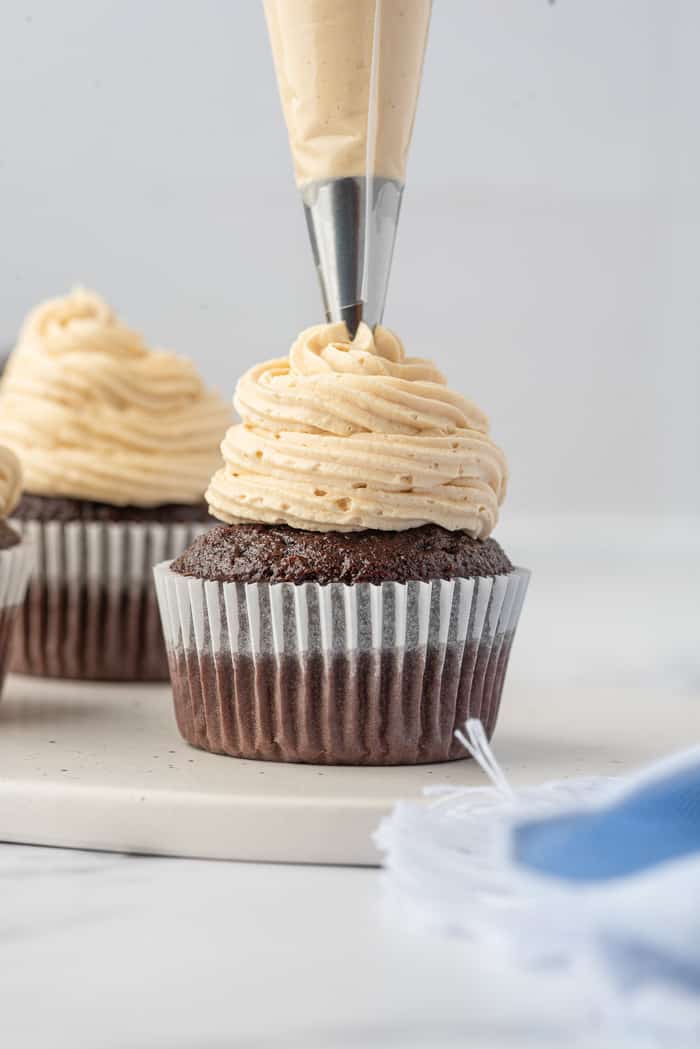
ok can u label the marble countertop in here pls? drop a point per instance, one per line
(101, 950)
(107, 951)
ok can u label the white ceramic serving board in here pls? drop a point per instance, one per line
(103, 767)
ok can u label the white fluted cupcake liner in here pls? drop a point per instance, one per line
(15, 568)
(337, 674)
(90, 610)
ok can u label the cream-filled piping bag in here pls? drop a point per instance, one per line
(349, 75)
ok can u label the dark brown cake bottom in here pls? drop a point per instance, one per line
(90, 610)
(90, 631)
(389, 707)
(8, 618)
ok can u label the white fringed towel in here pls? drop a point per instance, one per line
(601, 875)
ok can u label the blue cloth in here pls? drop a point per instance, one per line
(653, 822)
(596, 877)
(629, 867)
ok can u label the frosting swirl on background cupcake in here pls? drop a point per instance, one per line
(341, 436)
(93, 413)
(10, 481)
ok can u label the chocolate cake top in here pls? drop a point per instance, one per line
(48, 508)
(10, 492)
(8, 536)
(255, 553)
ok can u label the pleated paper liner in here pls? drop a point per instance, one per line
(337, 674)
(91, 611)
(15, 568)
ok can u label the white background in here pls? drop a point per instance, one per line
(548, 251)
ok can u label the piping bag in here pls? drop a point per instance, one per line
(349, 73)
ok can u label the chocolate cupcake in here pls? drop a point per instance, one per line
(116, 442)
(353, 609)
(15, 557)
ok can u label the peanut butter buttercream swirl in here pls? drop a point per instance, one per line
(93, 413)
(10, 481)
(345, 435)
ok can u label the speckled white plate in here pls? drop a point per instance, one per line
(103, 767)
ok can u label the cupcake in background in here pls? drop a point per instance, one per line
(15, 556)
(117, 442)
(353, 608)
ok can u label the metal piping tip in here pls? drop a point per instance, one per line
(352, 226)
